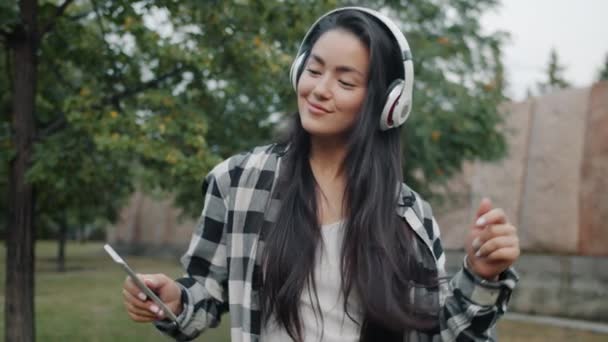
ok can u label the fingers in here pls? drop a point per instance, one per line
(484, 206)
(497, 243)
(130, 286)
(153, 281)
(494, 237)
(494, 216)
(492, 244)
(138, 306)
(492, 231)
(139, 311)
(166, 288)
(156, 282)
(502, 254)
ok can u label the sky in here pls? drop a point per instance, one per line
(577, 29)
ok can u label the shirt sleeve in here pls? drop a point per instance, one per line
(204, 293)
(471, 305)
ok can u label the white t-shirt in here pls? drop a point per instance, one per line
(337, 326)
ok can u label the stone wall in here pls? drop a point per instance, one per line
(556, 285)
(593, 218)
(552, 184)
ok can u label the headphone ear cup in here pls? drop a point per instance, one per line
(404, 107)
(388, 119)
(296, 69)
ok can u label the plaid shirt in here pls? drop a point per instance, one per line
(223, 261)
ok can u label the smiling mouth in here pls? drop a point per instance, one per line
(316, 109)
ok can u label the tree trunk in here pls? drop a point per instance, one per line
(63, 234)
(19, 305)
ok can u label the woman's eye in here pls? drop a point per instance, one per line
(347, 84)
(313, 72)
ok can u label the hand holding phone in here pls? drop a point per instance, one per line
(145, 289)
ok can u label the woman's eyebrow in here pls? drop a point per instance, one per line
(341, 68)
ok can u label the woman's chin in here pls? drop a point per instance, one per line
(322, 126)
(315, 127)
(326, 135)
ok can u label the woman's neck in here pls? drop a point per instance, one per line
(326, 162)
(327, 157)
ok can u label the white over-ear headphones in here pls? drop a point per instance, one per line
(399, 99)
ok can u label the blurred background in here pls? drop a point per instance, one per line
(114, 111)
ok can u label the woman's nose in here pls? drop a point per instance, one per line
(322, 88)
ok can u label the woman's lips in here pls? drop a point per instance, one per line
(316, 109)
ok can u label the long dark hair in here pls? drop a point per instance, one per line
(378, 264)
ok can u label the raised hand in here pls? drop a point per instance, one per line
(492, 244)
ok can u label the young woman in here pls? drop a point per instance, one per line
(317, 238)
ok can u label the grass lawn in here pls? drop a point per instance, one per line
(85, 303)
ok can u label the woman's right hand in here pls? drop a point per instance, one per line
(143, 309)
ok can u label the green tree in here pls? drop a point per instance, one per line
(79, 181)
(460, 81)
(603, 74)
(555, 78)
(104, 96)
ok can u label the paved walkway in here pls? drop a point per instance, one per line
(601, 328)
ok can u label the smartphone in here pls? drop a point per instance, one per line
(149, 293)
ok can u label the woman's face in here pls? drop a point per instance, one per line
(333, 85)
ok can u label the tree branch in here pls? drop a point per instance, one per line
(142, 86)
(79, 16)
(56, 69)
(102, 29)
(55, 126)
(99, 22)
(51, 24)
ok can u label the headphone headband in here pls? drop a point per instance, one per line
(399, 99)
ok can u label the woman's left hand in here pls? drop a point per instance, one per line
(492, 245)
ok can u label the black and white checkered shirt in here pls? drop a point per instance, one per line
(223, 260)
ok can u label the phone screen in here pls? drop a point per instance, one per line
(117, 259)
